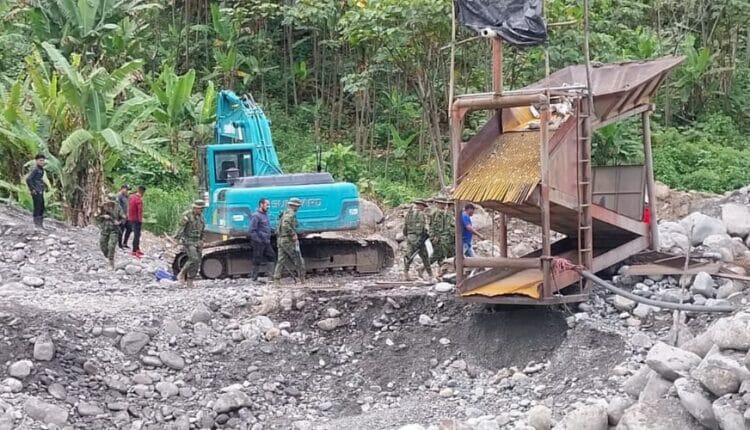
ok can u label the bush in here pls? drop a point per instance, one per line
(710, 156)
(162, 208)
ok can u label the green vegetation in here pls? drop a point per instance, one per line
(123, 91)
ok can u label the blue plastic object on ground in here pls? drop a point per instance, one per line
(164, 274)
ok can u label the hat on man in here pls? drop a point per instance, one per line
(199, 204)
(294, 201)
(126, 186)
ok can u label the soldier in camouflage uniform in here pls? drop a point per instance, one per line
(109, 218)
(415, 231)
(190, 236)
(287, 243)
(442, 233)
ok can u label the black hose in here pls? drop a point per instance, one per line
(657, 303)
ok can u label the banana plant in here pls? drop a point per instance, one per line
(172, 93)
(101, 128)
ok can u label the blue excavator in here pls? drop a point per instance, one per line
(240, 167)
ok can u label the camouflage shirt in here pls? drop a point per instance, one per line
(190, 229)
(287, 224)
(415, 223)
(114, 219)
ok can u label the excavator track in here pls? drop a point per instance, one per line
(232, 258)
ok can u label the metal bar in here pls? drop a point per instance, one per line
(500, 262)
(523, 300)
(503, 230)
(529, 91)
(497, 101)
(650, 184)
(544, 187)
(456, 127)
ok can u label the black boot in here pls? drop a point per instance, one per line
(39, 222)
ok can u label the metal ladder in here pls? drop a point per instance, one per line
(585, 192)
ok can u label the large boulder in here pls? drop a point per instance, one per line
(617, 407)
(670, 362)
(44, 412)
(699, 226)
(588, 417)
(663, 414)
(656, 388)
(721, 244)
(634, 385)
(720, 374)
(736, 219)
(370, 214)
(728, 414)
(696, 402)
(704, 285)
(732, 332)
(672, 235)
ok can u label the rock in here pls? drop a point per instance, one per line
(674, 295)
(44, 349)
(643, 311)
(720, 374)
(11, 384)
(736, 219)
(302, 425)
(45, 412)
(641, 341)
(57, 391)
(257, 328)
(329, 324)
(623, 304)
(200, 314)
(723, 245)
(133, 269)
(588, 417)
(700, 345)
(489, 424)
(167, 389)
(699, 226)
(370, 214)
(332, 313)
(670, 362)
(656, 388)
(664, 414)
(133, 342)
(151, 361)
(425, 320)
(231, 401)
(443, 287)
(696, 402)
(172, 360)
(634, 385)
(703, 284)
(540, 417)
(89, 409)
(616, 408)
(172, 328)
(521, 249)
(20, 369)
(728, 416)
(411, 427)
(33, 281)
(728, 288)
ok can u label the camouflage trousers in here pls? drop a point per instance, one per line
(108, 243)
(289, 257)
(414, 245)
(194, 254)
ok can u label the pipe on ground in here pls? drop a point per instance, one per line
(657, 303)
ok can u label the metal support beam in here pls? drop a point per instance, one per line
(492, 101)
(650, 183)
(544, 200)
(500, 262)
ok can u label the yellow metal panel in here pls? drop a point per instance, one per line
(525, 282)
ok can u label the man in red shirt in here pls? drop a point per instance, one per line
(135, 219)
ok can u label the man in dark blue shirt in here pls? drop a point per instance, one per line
(260, 237)
(468, 230)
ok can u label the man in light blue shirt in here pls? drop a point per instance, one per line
(468, 230)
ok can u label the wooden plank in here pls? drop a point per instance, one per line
(660, 269)
(522, 300)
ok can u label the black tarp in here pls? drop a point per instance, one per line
(519, 22)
